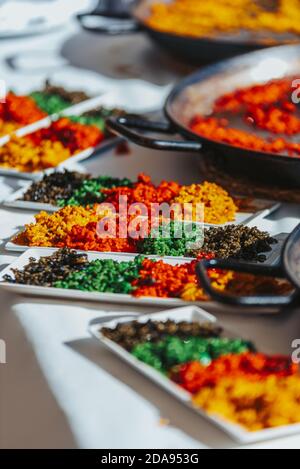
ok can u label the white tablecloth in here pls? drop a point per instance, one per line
(59, 388)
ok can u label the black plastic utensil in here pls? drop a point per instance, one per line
(288, 268)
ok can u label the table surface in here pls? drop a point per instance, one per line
(59, 388)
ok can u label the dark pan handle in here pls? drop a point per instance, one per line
(105, 24)
(242, 301)
(123, 126)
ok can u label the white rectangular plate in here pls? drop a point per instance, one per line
(71, 295)
(190, 313)
(74, 109)
(12, 201)
(264, 207)
(23, 260)
(77, 109)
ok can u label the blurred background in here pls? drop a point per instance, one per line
(22, 17)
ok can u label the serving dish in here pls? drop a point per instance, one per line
(197, 93)
(21, 91)
(287, 268)
(76, 110)
(80, 295)
(115, 20)
(77, 295)
(195, 314)
(250, 220)
(258, 208)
